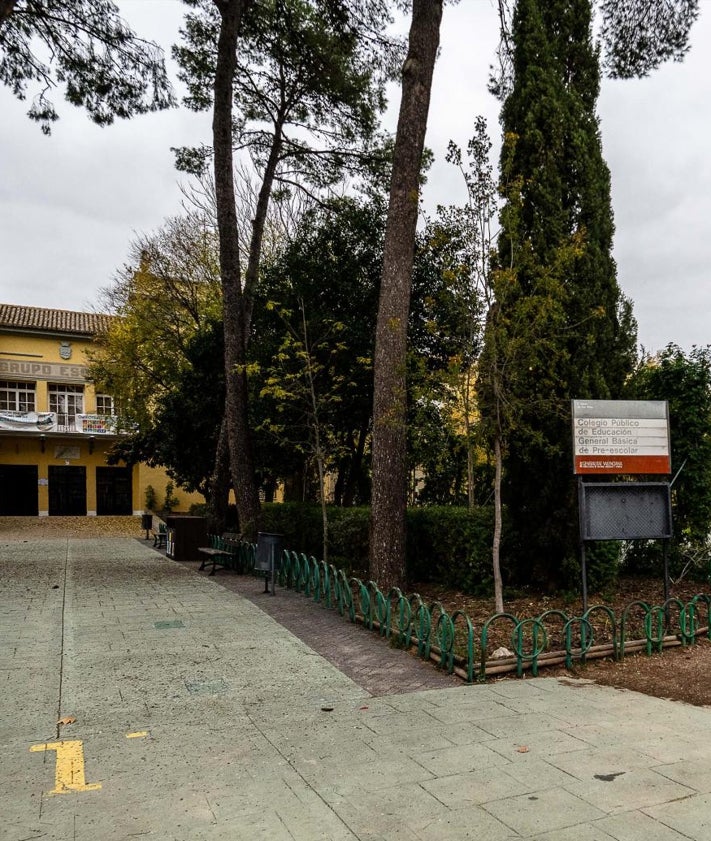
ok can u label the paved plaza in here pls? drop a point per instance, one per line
(196, 707)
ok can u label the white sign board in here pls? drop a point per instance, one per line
(621, 436)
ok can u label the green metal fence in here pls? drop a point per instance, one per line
(456, 646)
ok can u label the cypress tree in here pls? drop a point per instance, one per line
(555, 241)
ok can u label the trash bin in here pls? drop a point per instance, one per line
(147, 523)
(268, 559)
(185, 534)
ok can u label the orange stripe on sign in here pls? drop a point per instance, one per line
(622, 464)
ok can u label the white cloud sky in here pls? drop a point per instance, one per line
(71, 204)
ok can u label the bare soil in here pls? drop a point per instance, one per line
(680, 673)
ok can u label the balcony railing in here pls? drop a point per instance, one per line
(84, 424)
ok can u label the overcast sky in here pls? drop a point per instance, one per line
(70, 204)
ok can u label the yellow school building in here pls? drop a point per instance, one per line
(55, 428)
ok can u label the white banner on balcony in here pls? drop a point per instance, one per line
(28, 421)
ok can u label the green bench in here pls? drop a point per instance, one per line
(222, 551)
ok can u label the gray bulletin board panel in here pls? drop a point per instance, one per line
(625, 510)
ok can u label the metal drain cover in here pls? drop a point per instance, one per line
(216, 686)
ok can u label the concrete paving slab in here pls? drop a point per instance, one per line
(690, 817)
(582, 832)
(692, 773)
(201, 716)
(625, 791)
(636, 826)
(546, 810)
(477, 787)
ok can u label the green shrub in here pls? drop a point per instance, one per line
(151, 498)
(602, 561)
(448, 545)
(171, 500)
(451, 546)
(349, 542)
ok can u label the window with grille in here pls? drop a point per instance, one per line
(105, 404)
(68, 402)
(17, 397)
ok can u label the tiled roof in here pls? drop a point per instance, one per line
(53, 321)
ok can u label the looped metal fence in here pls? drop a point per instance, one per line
(452, 642)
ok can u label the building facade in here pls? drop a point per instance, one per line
(55, 428)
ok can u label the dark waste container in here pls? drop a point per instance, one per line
(185, 534)
(147, 523)
(268, 551)
(268, 559)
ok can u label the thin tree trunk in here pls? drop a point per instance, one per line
(387, 546)
(219, 488)
(317, 431)
(496, 544)
(355, 471)
(259, 222)
(467, 401)
(241, 461)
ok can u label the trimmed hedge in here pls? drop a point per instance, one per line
(449, 545)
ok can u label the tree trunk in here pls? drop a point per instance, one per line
(467, 402)
(219, 487)
(241, 461)
(387, 546)
(496, 544)
(355, 471)
(259, 222)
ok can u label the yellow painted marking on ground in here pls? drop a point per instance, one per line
(139, 734)
(69, 769)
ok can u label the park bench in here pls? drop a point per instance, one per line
(160, 536)
(222, 551)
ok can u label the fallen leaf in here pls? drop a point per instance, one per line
(68, 719)
(522, 749)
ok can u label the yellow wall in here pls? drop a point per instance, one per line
(156, 477)
(20, 353)
(36, 358)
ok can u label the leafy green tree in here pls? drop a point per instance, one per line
(443, 346)
(86, 47)
(305, 384)
(637, 36)
(556, 242)
(164, 296)
(279, 64)
(684, 379)
(332, 265)
(460, 244)
(183, 434)
(158, 357)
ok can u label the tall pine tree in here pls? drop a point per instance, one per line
(556, 241)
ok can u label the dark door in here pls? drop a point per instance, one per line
(67, 491)
(18, 490)
(114, 490)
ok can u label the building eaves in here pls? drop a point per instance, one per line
(62, 322)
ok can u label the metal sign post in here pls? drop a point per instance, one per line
(622, 437)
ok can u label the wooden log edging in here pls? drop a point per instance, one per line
(435, 635)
